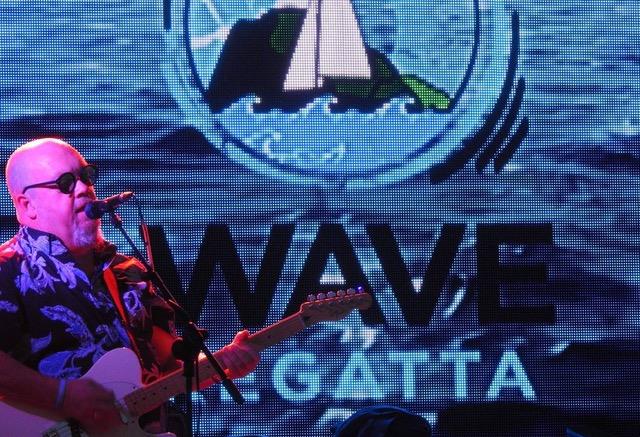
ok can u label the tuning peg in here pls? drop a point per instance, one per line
(351, 291)
(311, 298)
(341, 293)
(321, 296)
(331, 294)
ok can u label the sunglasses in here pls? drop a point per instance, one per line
(66, 182)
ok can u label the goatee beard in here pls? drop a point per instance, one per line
(87, 237)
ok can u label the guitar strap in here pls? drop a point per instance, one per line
(161, 413)
(112, 285)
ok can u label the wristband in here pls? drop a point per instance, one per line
(62, 387)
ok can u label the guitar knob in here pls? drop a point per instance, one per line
(351, 291)
(341, 293)
(359, 289)
(321, 296)
(331, 294)
(311, 298)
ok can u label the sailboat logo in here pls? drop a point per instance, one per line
(349, 92)
(337, 51)
(290, 56)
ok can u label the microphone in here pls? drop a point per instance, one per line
(96, 209)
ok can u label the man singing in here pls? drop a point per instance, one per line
(57, 314)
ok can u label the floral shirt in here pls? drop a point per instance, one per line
(58, 321)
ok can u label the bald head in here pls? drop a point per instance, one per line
(36, 161)
(44, 206)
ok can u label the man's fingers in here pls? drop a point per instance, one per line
(239, 357)
(93, 405)
(241, 336)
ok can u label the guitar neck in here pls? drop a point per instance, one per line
(277, 332)
(147, 398)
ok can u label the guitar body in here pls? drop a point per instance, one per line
(117, 370)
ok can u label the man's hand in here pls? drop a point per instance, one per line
(240, 357)
(92, 405)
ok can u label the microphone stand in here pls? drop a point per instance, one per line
(189, 346)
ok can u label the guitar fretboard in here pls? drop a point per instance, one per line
(145, 399)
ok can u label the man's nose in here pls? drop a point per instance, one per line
(83, 189)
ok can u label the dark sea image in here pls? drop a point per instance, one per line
(95, 73)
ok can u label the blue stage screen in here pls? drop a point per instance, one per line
(474, 165)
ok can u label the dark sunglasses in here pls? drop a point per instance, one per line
(66, 182)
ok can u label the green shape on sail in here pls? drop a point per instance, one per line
(284, 33)
(388, 89)
(353, 87)
(428, 96)
(381, 68)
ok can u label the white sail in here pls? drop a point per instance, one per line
(302, 69)
(342, 51)
(333, 49)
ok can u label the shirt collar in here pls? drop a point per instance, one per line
(50, 245)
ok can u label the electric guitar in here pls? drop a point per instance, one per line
(119, 370)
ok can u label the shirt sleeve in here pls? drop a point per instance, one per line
(11, 318)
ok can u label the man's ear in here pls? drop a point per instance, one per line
(26, 207)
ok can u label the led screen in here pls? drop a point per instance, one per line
(473, 165)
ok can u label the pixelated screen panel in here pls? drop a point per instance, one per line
(472, 165)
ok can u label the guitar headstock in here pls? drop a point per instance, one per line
(334, 305)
